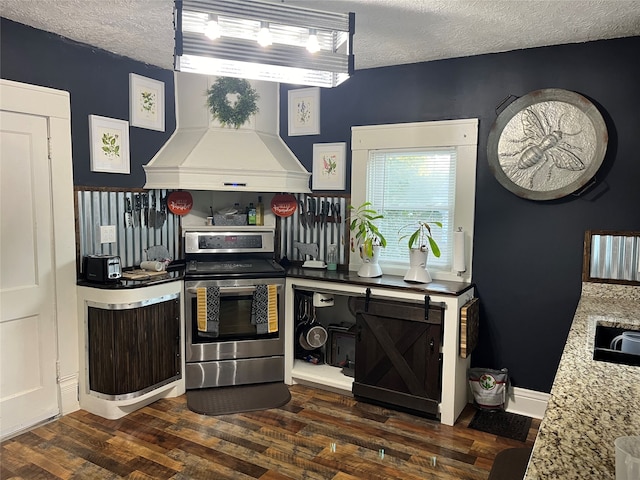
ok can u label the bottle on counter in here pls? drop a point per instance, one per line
(332, 257)
(260, 212)
(251, 214)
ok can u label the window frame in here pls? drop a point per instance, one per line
(460, 134)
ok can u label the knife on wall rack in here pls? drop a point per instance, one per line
(128, 221)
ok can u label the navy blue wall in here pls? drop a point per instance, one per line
(527, 255)
(98, 83)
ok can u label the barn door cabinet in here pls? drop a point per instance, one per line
(398, 359)
(402, 357)
(131, 347)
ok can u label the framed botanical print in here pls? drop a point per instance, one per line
(146, 102)
(304, 111)
(109, 145)
(329, 166)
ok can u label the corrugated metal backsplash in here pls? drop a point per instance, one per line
(140, 217)
(615, 256)
(319, 220)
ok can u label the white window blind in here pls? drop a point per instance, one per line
(408, 186)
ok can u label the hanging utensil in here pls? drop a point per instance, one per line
(128, 221)
(163, 210)
(302, 214)
(152, 210)
(312, 334)
(136, 210)
(157, 221)
(323, 214)
(145, 210)
(311, 212)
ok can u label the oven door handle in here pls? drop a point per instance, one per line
(226, 290)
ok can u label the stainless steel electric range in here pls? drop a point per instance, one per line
(226, 276)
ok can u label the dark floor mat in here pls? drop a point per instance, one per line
(501, 423)
(510, 463)
(240, 398)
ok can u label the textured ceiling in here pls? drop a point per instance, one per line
(388, 32)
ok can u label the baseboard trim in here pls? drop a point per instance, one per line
(527, 402)
(68, 394)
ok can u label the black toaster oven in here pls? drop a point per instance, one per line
(102, 268)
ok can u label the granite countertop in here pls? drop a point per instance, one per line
(592, 402)
(436, 287)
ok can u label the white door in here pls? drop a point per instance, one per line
(28, 390)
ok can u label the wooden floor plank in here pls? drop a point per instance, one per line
(318, 435)
(143, 451)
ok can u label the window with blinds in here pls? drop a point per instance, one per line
(408, 186)
(418, 171)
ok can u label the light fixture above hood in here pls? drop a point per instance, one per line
(203, 155)
(270, 41)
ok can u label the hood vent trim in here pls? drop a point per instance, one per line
(202, 155)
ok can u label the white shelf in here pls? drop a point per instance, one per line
(321, 376)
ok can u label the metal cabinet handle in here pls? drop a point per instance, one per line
(247, 289)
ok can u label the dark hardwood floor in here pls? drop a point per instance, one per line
(317, 435)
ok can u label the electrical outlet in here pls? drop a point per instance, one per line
(107, 234)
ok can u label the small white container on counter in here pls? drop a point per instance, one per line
(627, 458)
(152, 266)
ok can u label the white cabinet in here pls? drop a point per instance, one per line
(454, 394)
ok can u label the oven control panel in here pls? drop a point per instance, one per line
(229, 242)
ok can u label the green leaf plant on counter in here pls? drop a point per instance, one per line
(418, 238)
(367, 233)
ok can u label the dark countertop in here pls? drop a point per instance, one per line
(436, 287)
(124, 284)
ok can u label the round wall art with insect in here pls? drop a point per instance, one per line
(547, 144)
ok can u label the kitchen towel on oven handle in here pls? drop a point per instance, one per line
(208, 310)
(264, 309)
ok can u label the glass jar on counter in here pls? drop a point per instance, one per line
(332, 257)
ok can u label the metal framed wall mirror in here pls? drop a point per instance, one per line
(611, 256)
(547, 144)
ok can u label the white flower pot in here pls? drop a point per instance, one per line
(370, 267)
(417, 272)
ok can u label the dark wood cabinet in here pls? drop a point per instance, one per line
(398, 359)
(133, 350)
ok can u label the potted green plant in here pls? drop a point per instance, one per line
(420, 236)
(418, 250)
(369, 239)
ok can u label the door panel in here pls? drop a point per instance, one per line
(132, 350)
(398, 353)
(28, 390)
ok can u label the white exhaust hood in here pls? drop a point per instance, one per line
(203, 155)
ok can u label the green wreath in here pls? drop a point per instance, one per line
(220, 107)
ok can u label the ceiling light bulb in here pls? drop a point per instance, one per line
(264, 35)
(312, 42)
(212, 30)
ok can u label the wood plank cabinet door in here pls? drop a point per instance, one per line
(398, 358)
(135, 349)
